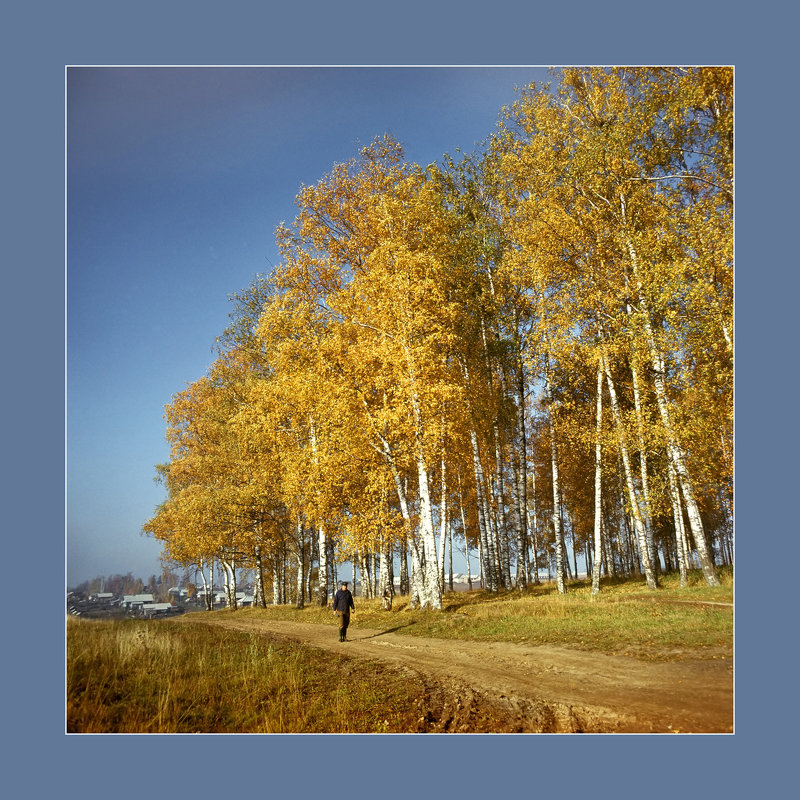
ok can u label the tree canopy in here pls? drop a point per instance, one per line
(510, 347)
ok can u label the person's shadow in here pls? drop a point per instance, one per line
(390, 630)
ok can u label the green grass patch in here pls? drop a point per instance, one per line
(626, 617)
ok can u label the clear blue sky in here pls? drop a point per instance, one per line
(176, 180)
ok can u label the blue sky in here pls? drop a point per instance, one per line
(176, 180)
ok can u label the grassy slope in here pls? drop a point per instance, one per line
(624, 618)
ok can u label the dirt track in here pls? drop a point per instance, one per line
(528, 688)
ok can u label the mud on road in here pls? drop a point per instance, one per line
(508, 687)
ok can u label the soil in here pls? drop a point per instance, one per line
(506, 687)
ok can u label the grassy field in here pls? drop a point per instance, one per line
(161, 676)
(137, 676)
(625, 618)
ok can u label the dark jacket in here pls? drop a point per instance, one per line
(343, 601)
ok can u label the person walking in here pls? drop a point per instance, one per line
(342, 603)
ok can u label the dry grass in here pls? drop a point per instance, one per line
(139, 676)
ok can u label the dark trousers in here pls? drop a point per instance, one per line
(344, 621)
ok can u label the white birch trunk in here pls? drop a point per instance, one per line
(520, 524)
(443, 520)
(386, 571)
(533, 527)
(488, 559)
(598, 487)
(608, 551)
(464, 527)
(634, 500)
(675, 450)
(533, 568)
(258, 595)
(230, 582)
(450, 556)
(404, 583)
(333, 569)
(411, 541)
(557, 530)
(432, 589)
(680, 531)
(208, 596)
(226, 584)
(521, 478)
(324, 589)
(417, 579)
(493, 552)
(301, 566)
(498, 487)
(277, 579)
(647, 510)
(313, 556)
(559, 534)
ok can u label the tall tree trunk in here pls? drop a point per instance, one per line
(333, 569)
(277, 579)
(675, 450)
(493, 521)
(533, 527)
(404, 583)
(575, 552)
(598, 486)
(230, 582)
(259, 598)
(359, 559)
(208, 596)
(313, 556)
(284, 571)
(638, 524)
(450, 556)
(557, 530)
(425, 588)
(481, 576)
(494, 545)
(443, 518)
(498, 487)
(521, 476)
(429, 583)
(300, 600)
(681, 544)
(466, 538)
(484, 524)
(608, 551)
(647, 509)
(417, 588)
(410, 542)
(387, 569)
(323, 578)
(323, 587)
(432, 589)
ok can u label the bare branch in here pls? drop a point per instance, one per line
(686, 177)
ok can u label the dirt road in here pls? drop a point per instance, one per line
(530, 688)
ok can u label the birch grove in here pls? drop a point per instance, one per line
(501, 355)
